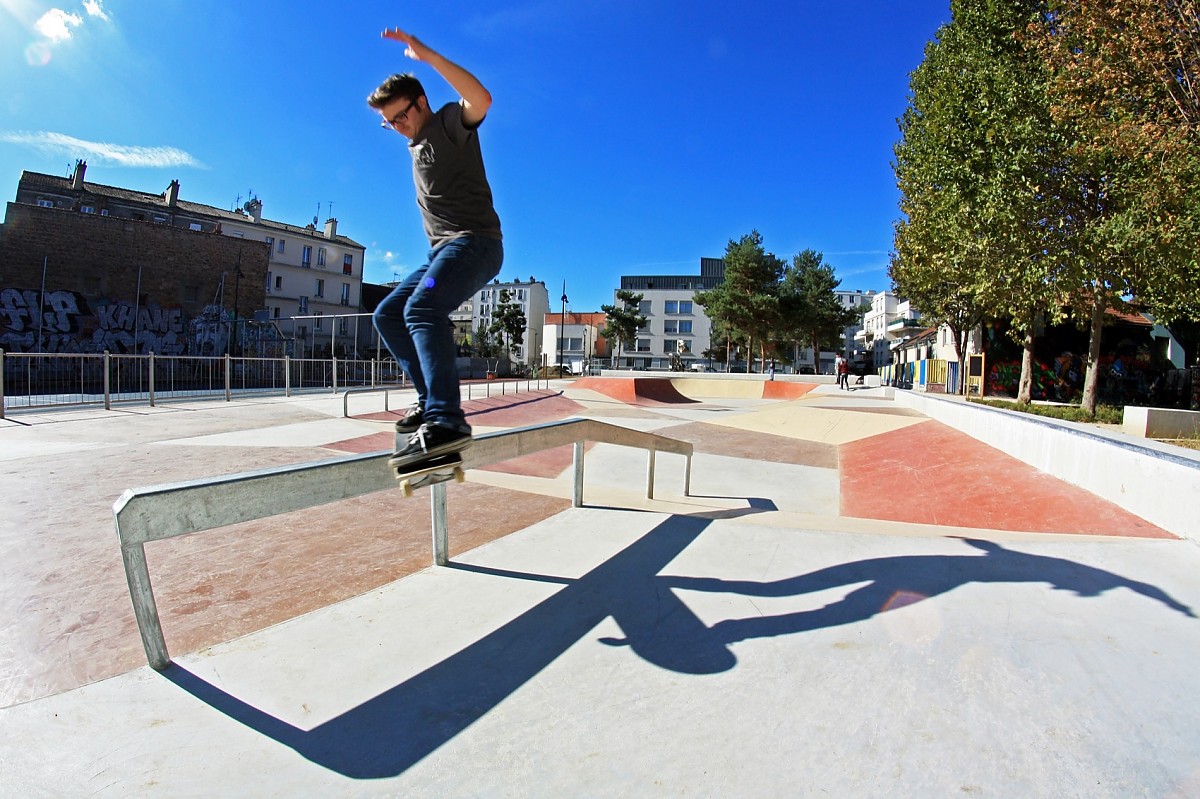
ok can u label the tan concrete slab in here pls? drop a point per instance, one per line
(797, 419)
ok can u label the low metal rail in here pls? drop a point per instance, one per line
(156, 513)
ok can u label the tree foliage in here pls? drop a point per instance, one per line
(810, 311)
(745, 306)
(623, 320)
(1124, 91)
(1050, 162)
(975, 164)
(509, 321)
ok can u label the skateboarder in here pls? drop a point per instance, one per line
(465, 246)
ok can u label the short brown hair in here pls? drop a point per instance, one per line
(406, 86)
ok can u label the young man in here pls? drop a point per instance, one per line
(465, 247)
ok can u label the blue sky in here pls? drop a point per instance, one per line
(626, 137)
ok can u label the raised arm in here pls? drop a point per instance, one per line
(476, 99)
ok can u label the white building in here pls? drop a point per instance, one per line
(675, 324)
(531, 296)
(313, 274)
(890, 321)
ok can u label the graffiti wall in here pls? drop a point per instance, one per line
(67, 322)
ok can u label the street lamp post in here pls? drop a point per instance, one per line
(562, 330)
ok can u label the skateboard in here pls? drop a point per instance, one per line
(439, 470)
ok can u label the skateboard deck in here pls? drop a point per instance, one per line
(438, 470)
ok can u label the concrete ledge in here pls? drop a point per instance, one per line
(1158, 485)
(1161, 423)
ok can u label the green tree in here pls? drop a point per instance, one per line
(746, 303)
(509, 322)
(623, 320)
(1125, 85)
(810, 310)
(977, 166)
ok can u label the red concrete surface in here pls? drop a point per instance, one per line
(636, 390)
(929, 473)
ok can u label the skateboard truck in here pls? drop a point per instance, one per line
(439, 470)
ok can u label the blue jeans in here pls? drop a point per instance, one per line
(414, 321)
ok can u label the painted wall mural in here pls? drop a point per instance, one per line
(69, 323)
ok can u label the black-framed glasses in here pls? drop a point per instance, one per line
(400, 118)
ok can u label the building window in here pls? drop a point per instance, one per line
(279, 247)
(268, 282)
(279, 282)
(320, 256)
(670, 345)
(685, 307)
(46, 203)
(320, 292)
(306, 257)
(317, 323)
(276, 312)
(270, 245)
(685, 325)
(159, 218)
(643, 345)
(91, 209)
(347, 264)
(345, 294)
(644, 307)
(302, 306)
(196, 226)
(341, 325)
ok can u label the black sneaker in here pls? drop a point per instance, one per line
(412, 419)
(428, 442)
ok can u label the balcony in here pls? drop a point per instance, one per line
(903, 328)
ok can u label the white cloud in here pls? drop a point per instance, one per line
(58, 144)
(56, 24)
(93, 8)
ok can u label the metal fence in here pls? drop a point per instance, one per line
(50, 380)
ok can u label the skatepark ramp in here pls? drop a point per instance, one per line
(156, 513)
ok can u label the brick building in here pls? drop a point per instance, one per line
(127, 271)
(121, 285)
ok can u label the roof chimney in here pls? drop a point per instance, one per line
(77, 178)
(254, 208)
(172, 193)
(330, 228)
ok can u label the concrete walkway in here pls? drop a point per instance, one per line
(783, 630)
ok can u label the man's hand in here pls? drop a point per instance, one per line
(476, 100)
(416, 49)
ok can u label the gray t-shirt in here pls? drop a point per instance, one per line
(452, 187)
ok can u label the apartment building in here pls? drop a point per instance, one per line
(534, 301)
(675, 324)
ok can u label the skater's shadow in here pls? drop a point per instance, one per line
(389, 733)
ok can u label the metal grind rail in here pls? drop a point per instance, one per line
(156, 513)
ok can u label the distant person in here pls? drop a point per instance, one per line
(465, 246)
(843, 372)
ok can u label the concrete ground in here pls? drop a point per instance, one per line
(854, 600)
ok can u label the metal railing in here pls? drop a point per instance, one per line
(30, 380)
(156, 513)
(468, 390)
